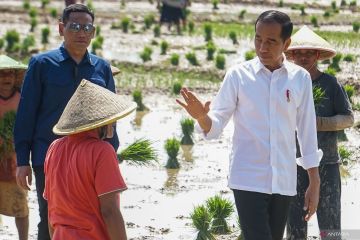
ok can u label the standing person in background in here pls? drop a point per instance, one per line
(333, 113)
(13, 198)
(172, 12)
(50, 81)
(83, 180)
(69, 2)
(268, 98)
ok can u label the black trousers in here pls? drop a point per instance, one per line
(43, 229)
(262, 216)
(329, 208)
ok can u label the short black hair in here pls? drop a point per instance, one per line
(76, 8)
(273, 16)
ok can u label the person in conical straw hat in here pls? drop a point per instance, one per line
(82, 176)
(13, 199)
(333, 113)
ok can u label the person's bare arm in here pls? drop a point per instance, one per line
(24, 177)
(196, 109)
(51, 230)
(112, 216)
(312, 193)
(334, 123)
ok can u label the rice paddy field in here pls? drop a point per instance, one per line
(159, 201)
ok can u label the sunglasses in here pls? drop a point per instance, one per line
(76, 27)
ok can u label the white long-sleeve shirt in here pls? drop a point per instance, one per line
(267, 108)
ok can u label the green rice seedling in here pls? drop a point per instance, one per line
(26, 4)
(176, 87)
(125, 23)
(201, 220)
(335, 62)
(211, 49)
(242, 14)
(33, 24)
(233, 37)
(2, 43)
(220, 209)
(156, 31)
(302, 10)
(333, 5)
(349, 57)
(208, 32)
(356, 26)
(318, 95)
(174, 59)
(314, 21)
(345, 154)
(164, 45)
(97, 30)
(33, 12)
(191, 57)
(326, 14)
(172, 146)
(220, 61)
(281, 3)
(331, 71)
(191, 27)
(250, 55)
(44, 3)
(350, 90)
(215, 4)
(95, 45)
(12, 38)
(137, 97)
(28, 41)
(149, 20)
(352, 3)
(45, 32)
(123, 4)
(139, 153)
(90, 5)
(343, 3)
(187, 127)
(7, 123)
(146, 54)
(54, 13)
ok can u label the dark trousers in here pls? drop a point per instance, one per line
(262, 216)
(329, 208)
(43, 229)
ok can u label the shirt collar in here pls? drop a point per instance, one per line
(64, 55)
(259, 66)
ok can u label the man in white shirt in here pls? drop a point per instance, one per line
(269, 98)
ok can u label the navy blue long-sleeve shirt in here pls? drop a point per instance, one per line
(50, 81)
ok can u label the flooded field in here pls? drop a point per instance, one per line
(158, 202)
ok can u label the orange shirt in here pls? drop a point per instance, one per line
(78, 169)
(8, 167)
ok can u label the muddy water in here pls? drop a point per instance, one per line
(158, 201)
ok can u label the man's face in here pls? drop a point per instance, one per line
(7, 79)
(269, 45)
(75, 35)
(305, 58)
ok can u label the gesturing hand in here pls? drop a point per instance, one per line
(192, 105)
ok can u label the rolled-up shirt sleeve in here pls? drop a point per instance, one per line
(222, 108)
(306, 129)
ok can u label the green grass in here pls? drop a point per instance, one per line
(140, 77)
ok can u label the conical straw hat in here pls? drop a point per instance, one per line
(305, 38)
(9, 63)
(114, 70)
(90, 107)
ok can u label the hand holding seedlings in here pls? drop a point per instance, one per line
(196, 108)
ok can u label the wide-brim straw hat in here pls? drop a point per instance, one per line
(90, 107)
(9, 63)
(114, 70)
(305, 38)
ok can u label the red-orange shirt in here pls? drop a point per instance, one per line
(78, 169)
(8, 166)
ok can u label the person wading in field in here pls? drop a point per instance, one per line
(268, 98)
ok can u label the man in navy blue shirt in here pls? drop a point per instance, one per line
(50, 81)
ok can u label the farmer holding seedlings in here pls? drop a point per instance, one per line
(268, 98)
(49, 83)
(83, 181)
(333, 113)
(13, 199)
